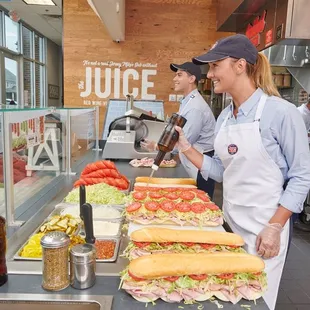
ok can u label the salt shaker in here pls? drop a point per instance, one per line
(83, 266)
(55, 246)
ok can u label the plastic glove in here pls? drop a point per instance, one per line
(149, 145)
(183, 145)
(268, 240)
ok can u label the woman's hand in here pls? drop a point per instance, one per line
(183, 145)
(268, 240)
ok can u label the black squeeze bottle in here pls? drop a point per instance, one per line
(168, 139)
(3, 269)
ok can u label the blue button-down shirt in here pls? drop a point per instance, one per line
(283, 135)
(200, 125)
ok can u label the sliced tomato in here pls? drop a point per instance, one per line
(139, 195)
(167, 206)
(189, 244)
(140, 188)
(171, 189)
(155, 195)
(233, 246)
(141, 245)
(171, 279)
(187, 195)
(257, 273)
(198, 277)
(166, 243)
(199, 191)
(153, 189)
(225, 276)
(152, 205)
(133, 207)
(172, 196)
(207, 246)
(203, 197)
(211, 206)
(183, 207)
(134, 277)
(198, 207)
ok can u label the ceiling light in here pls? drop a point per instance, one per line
(39, 2)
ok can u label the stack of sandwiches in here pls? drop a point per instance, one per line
(185, 264)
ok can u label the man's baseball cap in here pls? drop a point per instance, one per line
(236, 46)
(189, 67)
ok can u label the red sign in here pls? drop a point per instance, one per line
(269, 37)
(256, 28)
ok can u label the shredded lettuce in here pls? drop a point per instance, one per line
(186, 282)
(101, 193)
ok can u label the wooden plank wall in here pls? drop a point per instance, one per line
(157, 31)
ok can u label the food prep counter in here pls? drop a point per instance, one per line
(25, 276)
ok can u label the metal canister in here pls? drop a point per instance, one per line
(83, 266)
(55, 248)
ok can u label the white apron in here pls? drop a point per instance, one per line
(252, 187)
(190, 168)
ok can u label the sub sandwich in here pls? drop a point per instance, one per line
(195, 277)
(154, 240)
(165, 182)
(177, 207)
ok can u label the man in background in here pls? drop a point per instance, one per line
(200, 125)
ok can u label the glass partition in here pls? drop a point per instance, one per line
(82, 133)
(40, 147)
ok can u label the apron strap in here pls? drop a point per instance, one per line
(260, 108)
(226, 118)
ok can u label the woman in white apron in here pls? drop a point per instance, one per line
(260, 143)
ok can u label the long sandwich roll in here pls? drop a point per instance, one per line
(176, 206)
(171, 181)
(195, 277)
(153, 240)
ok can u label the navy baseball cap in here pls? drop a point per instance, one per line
(189, 67)
(236, 46)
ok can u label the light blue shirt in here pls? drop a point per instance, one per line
(200, 125)
(284, 136)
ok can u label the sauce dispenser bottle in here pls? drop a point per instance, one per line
(168, 139)
(3, 268)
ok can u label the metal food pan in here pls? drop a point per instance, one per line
(119, 208)
(16, 256)
(117, 235)
(117, 241)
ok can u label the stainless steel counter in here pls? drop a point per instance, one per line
(25, 278)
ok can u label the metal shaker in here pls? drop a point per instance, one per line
(83, 266)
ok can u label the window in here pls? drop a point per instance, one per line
(11, 85)
(30, 46)
(38, 47)
(28, 83)
(39, 85)
(27, 42)
(11, 34)
(1, 32)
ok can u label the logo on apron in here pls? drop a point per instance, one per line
(232, 149)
